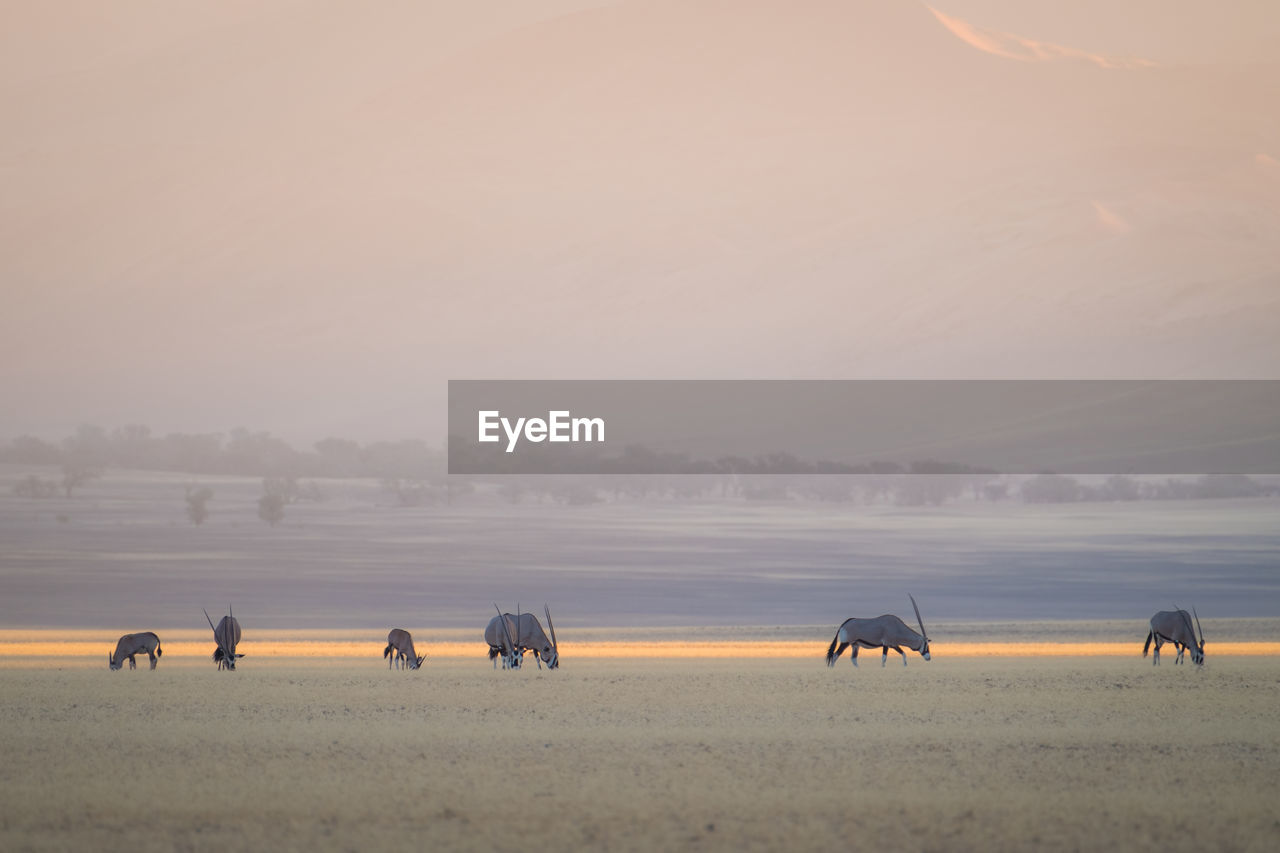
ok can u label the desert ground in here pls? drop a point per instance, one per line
(693, 709)
(643, 753)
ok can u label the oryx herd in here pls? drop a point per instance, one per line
(510, 636)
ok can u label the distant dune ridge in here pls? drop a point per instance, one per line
(298, 207)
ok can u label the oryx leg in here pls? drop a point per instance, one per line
(152, 655)
(133, 664)
(884, 655)
(1155, 656)
(899, 650)
(854, 654)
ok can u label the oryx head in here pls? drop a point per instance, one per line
(111, 662)
(924, 649)
(1197, 651)
(224, 659)
(550, 654)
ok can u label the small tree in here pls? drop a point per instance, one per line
(1120, 488)
(83, 457)
(197, 503)
(76, 473)
(286, 486)
(36, 487)
(1049, 488)
(271, 504)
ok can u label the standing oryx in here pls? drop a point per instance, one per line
(401, 642)
(227, 636)
(1174, 626)
(511, 636)
(883, 632)
(130, 645)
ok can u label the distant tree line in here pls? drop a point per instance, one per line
(241, 452)
(1056, 488)
(466, 455)
(414, 474)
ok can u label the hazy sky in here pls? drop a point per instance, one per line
(306, 217)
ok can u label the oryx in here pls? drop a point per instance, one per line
(500, 634)
(520, 633)
(227, 636)
(130, 645)
(883, 632)
(401, 642)
(1174, 626)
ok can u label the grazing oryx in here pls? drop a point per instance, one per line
(401, 642)
(499, 634)
(1174, 626)
(883, 632)
(130, 645)
(227, 636)
(522, 633)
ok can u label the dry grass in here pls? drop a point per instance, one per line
(643, 754)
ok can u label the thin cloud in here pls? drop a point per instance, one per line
(1022, 49)
(1110, 220)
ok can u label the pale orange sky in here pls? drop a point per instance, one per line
(305, 219)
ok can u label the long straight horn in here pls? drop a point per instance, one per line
(552, 626)
(511, 647)
(918, 619)
(1186, 620)
(216, 638)
(1197, 615)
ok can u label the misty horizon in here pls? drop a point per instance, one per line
(365, 203)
